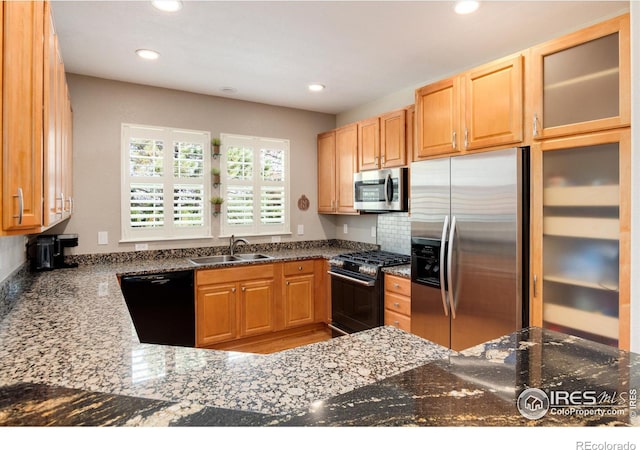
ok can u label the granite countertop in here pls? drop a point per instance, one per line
(69, 331)
(69, 355)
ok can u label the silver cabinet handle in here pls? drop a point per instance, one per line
(535, 124)
(299, 267)
(61, 196)
(70, 202)
(396, 304)
(244, 289)
(466, 138)
(452, 234)
(396, 285)
(535, 285)
(443, 257)
(20, 215)
(288, 283)
(453, 140)
(233, 289)
(396, 323)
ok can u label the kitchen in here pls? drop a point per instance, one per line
(101, 104)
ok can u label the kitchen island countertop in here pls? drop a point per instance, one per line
(69, 355)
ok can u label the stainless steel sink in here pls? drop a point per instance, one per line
(252, 256)
(228, 259)
(217, 259)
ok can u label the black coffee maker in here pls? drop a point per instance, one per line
(46, 251)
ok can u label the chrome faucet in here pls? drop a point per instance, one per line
(233, 242)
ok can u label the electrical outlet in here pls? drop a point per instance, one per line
(103, 238)
(300, 230)
(141, 247)
(275, 239)
(373, 232)
(345, 228)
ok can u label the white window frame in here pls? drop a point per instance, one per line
(168, 231)
(257, 228)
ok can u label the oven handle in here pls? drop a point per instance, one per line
(334, 328)
(355, 280)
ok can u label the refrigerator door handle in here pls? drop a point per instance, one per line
(443, 256)
(452, 233)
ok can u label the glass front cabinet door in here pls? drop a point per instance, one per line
(581, 82)
(581, 220)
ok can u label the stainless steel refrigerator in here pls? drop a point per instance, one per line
(469, 244)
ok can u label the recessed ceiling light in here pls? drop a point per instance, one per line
(316, 87)
(147, 54)
(167, 5)
(466, 6)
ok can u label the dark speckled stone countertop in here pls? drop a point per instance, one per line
(69, 355)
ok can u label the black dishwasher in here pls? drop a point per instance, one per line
(162, 307)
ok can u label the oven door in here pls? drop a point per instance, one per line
(356, 302)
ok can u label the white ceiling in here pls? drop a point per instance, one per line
(269, 51)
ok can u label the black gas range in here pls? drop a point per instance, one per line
(357, 289)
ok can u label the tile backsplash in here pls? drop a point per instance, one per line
(394, 232)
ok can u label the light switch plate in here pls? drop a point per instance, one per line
(141, 247)
(373, 231)
(345, 228)
(300, 230)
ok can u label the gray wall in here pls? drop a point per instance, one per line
(99, 108)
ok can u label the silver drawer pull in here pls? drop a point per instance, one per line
(396, 304)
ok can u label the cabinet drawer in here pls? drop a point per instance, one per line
(232, 274)
(397, 320)
(397, 285)
(298, 267)
(397, 303)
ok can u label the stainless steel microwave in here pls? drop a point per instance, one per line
(383, 190)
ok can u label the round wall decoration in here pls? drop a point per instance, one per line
(303, 203)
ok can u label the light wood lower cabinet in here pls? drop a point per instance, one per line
(299, 296)
(250, 302)
(397, 302)
(233, 303)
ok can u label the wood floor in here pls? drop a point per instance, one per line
(280, 343)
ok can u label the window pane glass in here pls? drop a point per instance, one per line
(188, 205)
(146, 203)
(239, 163)
(272, 205)
(145, 157)
(239, 205)
(188, 160)
(272, 164)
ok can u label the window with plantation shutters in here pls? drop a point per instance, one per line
(165, 184)
(255, 185)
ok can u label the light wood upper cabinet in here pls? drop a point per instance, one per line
(327, 172)
(478, 109)
(36, 122)
(581, 82)
(493, 99)
(393, 139)
(22, 118)
(437, 118)
(369, 143)
(346, 166)
(337, 162)
(57, 131)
